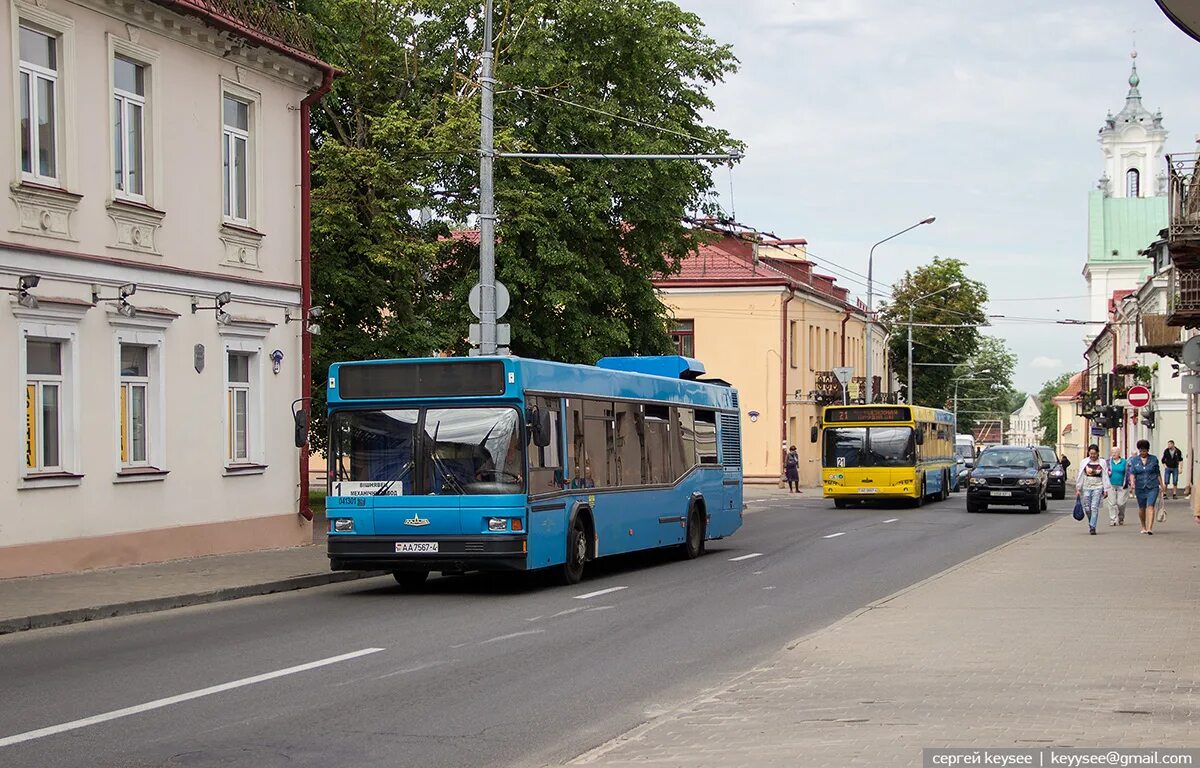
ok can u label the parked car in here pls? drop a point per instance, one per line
(1056, 476)
(962, 472)
(1007, 475)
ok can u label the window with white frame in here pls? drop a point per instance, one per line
(135, 387)
(241, 412)
(37, 86)
(236, 158)
(129, 127)
(44, 388)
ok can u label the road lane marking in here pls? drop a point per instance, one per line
(894, 519)
(750, 556)
(416, 668)
(179, 699)
(512, 636)
(599, 592)
(834, 535)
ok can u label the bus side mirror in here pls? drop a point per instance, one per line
(539, 425)
(301, 418)
(812, 435)
(920, 435)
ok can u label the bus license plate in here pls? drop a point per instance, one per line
(868, 490)
(430, 547)
(1002, 493)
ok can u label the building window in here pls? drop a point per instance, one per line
(235, 154)
(129, 127)
(240, 416)
(44, 383)
(135, 411)
(1132, 182)
(794, 344)
(38, 95)
(683, 336)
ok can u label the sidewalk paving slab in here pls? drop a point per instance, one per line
(1055, 639)
(46, 601)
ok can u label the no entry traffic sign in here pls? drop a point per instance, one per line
(1139, 396)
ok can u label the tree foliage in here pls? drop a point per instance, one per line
(578, 241)
(956, 312)
(985, 389)
(1049, 419)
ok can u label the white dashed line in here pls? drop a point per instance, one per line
(894, 519)
(180, 698)
(599, 592)
(834, 535)
(750, 556)
(512, 636)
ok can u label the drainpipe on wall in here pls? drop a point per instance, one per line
(1125, 416)
(845, 320)
(306, 269)
(783, 405)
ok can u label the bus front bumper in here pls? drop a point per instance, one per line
(899, 491)
(428, 553)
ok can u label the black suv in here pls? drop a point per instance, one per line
(1056, 476)
(1007, 475)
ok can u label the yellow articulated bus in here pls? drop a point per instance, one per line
(886, 452)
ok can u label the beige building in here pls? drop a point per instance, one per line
(155, 263)
(758, 315)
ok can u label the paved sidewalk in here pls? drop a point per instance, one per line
(47, 601)
(1056, 639)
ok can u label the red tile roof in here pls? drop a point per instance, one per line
(1072, 390)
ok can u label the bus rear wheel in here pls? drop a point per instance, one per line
(410, 580)
(693, 541)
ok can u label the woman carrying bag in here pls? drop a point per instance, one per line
(1147, 484)
(1091, 486)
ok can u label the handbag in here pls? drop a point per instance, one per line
(1078, 513)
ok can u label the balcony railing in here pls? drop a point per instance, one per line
(1183, 296)
(828, 390)
(1183, 198)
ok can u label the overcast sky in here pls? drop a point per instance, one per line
(864, 116)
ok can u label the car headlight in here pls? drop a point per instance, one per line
(343, 525)
(1056, 473)
(978, 481)
(1029, 481)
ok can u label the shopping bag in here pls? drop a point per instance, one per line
(1078, 513)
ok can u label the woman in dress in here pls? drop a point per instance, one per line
(792, 470)
(1147, 484)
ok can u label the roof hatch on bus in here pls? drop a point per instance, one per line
(670, 366)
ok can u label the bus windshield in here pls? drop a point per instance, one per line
(440, 451)
(868, 447)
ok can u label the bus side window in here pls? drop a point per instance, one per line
(706, 437)
(630, 448)
(545, 464)
(683, 441)
(599, 468)
(658, 455)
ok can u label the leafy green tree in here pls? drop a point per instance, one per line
(985, 388)
(1049, 419)
(945, 326)
(395, 165)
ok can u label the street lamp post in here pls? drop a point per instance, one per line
(911, 306)
(871, 297)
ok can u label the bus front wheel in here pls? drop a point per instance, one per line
(571, 572)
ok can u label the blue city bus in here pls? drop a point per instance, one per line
(511, 464)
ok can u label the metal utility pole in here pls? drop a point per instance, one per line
(487, 193)
(871, 299)
(911, 306)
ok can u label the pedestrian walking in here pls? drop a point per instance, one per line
(1171, 459)
(791, 470)
(1066, 463)
(1118, 491)
(1091, 486)
(1146, 477)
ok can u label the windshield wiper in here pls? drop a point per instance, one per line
(448, 479)
(383, 489)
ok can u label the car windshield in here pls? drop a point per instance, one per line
(460, 450)
(1047, 455)
(1006, 459)
(868, 447)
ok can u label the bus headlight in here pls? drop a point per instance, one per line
(343, 525)
(497, 524)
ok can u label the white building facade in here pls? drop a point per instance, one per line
(153, 255)
(1025, 423)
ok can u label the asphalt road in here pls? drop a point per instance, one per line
(474, 671)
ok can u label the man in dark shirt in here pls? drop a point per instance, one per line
(1171, 459)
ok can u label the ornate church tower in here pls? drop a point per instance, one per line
(1129, 205)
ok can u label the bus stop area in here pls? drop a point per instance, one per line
(1057, 639)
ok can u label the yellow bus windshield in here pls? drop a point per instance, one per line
(876, 446)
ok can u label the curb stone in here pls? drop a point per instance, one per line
(634, 734)
(155, 604)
